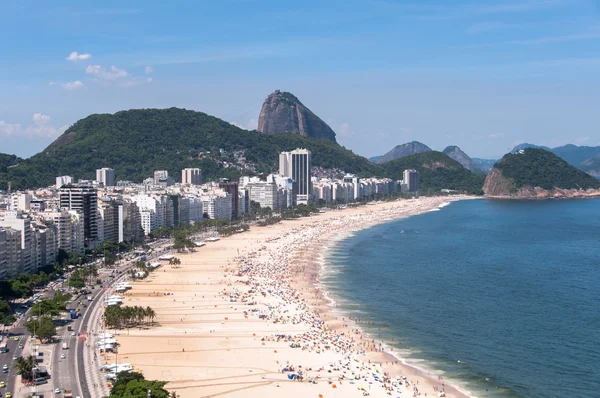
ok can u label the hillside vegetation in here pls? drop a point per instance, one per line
(137, 142)
(537, 167)
(7, 161)
(437, 171)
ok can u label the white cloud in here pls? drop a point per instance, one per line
(40, 118)
(345, 130)
(40, 127)
(101, 73)
(7, 129)
(115, 76)
(69, 85)
(148, 70)
(582, 140)
(251, 125)
(75, 56)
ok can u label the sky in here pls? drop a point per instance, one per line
(483, 75)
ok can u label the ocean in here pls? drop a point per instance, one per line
(502, 297)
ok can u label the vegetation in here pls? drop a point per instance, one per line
(7, 161)
(6, 318)
(51, 307)
(437, 171)
(537, 167)
(134, 385)
(80, 277)
(24, 367)
(116, 317)
(137, 142)
(43, 327)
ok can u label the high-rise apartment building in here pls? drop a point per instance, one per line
(411, 179)
(84, 199)
(14, 256)
(112, 220)
(106, 176)
(3, 255)
(191, 177)
(232, 189)
(15, 220)
(297, 166)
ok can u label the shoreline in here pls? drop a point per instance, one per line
(389, 351)
(257, 299)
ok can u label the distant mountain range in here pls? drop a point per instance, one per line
(585, 158)
(413, 147)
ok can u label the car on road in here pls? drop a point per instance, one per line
(5, 369)
(62, 356)
(16, 338)
(2, 384)
(73, 334)
(57, 390)
(15, 357)
(8, 394)
(21, 345)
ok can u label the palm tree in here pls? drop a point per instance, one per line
(24, 367)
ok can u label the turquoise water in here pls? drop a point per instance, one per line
(503, 296)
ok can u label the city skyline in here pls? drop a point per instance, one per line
(483, 77)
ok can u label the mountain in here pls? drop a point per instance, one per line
(400, 151)
(537, 173)
(457, 154)
(137, 142)
(282, 112)
(577, 155)
(374, 159)
(592, 166)
(436, 171)
(485, 164)
(526, 145)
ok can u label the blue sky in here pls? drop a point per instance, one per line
(483, 75)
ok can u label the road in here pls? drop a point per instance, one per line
(66, 373)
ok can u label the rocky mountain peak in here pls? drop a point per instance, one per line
(399, 151)
(457, 154)
(282, 112)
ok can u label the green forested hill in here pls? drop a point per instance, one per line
(136, 142)
(437, 171)
(540, 168)
(7, 161)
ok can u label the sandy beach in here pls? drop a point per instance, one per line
(245, 317)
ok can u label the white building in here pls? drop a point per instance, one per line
(15, 220)
(297, 165)
(216, 203)
(106, 176)
(63, 180)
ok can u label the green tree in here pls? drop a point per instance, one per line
(20, 289)
(134, 385)
(77, 280)
(42, 328)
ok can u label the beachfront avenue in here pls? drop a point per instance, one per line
(64, 358)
